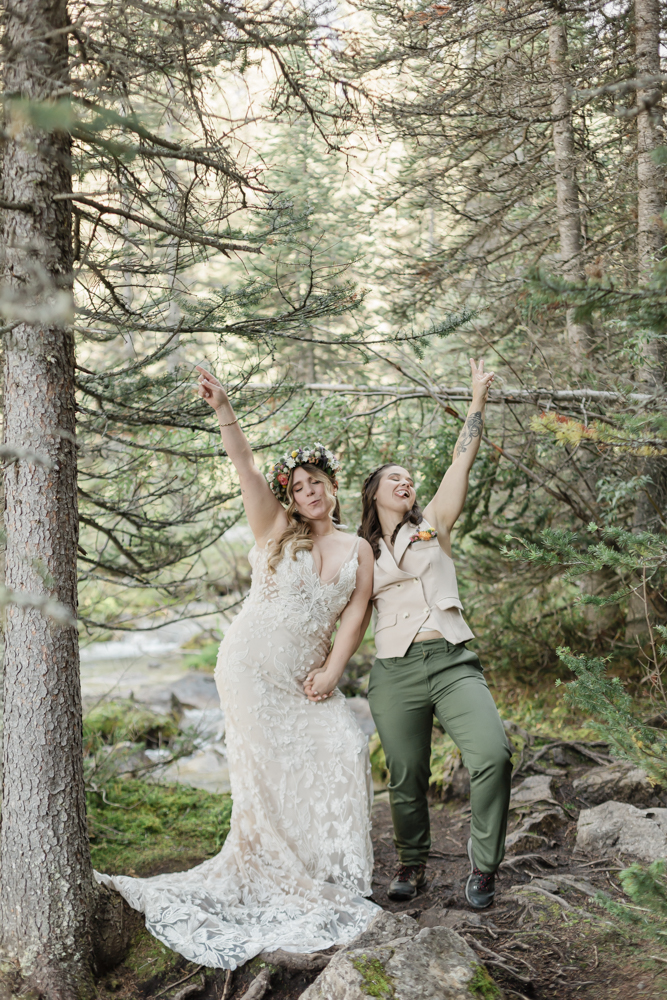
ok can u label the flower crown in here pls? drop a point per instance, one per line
(278, 475)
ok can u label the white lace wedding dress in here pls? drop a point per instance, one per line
(297, 862)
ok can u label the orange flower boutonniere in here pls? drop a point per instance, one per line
(424, 536)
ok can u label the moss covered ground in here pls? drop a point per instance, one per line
(139, 828)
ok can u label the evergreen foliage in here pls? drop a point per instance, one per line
(647, 888)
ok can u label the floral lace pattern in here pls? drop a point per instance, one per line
(297, 863)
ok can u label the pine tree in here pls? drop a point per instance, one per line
(120, 192)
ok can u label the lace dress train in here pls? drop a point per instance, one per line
(297, 862)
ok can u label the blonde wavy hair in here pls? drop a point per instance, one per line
(298, 528)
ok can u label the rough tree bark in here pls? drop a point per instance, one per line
(46, 886)
(567, 195)
(650, 135)
(651, 239)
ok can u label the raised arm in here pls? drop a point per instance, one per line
(445, 508)
(266, 515)
(320, 683)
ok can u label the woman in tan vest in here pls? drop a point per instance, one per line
(424, 668)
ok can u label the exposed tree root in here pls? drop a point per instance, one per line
(296, 963)
(258, 986)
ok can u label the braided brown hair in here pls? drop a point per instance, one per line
(370, 527)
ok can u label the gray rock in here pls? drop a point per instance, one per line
(523, 842)
(195, 690)
(125, 758)
(438, 916)
(545, 822)
(418, 963)
(620, 782)
(623, 829)
(206, 769)
(535, 831)
(361, 710)
(536, 788)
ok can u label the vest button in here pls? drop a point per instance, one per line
(398, 585)
(406, 614)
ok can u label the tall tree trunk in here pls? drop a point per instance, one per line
(567, 196)
(46, 887)
(650, 135)
(650, 242)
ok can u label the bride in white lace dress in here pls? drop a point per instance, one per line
(297, 863)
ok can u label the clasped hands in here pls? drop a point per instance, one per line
(320, 684)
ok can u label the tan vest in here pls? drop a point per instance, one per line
(414, 585)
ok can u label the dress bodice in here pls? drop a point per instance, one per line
(296, 595)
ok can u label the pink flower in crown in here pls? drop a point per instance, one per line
(279, 473)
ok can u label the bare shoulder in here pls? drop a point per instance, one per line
(364, 548)
(365, 553)
(274, 532)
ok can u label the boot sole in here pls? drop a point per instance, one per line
(401, 896)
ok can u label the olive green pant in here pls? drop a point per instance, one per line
(404, 692)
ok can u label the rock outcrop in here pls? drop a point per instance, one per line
(536, 788)
(621, 828)
(395, 957)
(618, 782)
(535, 831)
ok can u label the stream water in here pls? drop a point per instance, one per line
(150, 667)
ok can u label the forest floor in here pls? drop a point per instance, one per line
(535, 946)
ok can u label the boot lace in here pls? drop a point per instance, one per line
(406, 871)
(484, 879)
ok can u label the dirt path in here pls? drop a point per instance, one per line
(543, 939)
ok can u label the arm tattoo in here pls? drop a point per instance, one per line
(471, 429)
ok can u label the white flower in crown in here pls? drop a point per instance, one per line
(278, 474)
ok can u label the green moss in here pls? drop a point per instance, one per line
(136, 827)
(149, 958)
(124, 720)
(205, 659)
(482, 985)
(376, 981)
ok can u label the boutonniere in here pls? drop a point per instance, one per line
(424, 536)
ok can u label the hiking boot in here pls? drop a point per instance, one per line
(406, 881)
(481, 886)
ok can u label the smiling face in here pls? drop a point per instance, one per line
(395, 494)
(312, 493)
